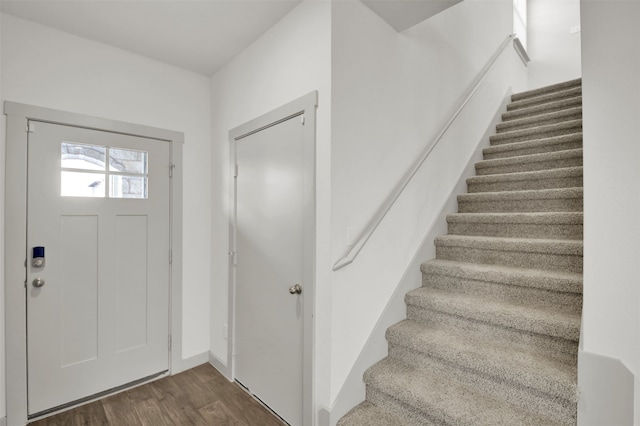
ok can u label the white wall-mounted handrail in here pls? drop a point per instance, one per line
(375, 221)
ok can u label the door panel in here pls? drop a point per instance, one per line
(269, 245)
(79, 289)
(101, 319)
(131, 279)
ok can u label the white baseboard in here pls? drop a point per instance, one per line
(194, 361)
(222, 367)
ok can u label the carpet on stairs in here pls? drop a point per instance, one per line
(491, 337)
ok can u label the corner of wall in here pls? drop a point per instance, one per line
(324, 417)
(222, 367)
(195, 360)
(606, 391)
(3, 408)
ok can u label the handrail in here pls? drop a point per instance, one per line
(375, 221)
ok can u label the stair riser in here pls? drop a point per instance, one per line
(407, 414)
(523, 185)
(518, 259)
(535, 148)
(530, 166)
(555, 408)
(531, 297)
(506, 138)
(520, 230)
(544, 99)
(554, 88)
(525, 206)
(561, 118)
(551, 347)
(543, 109)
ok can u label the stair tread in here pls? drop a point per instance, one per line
(568, 282)
(518, 224)
(552, 88)
(485, 356)
(533, 217)
(542, 117)
(530, 158)
(535, 194)
(533, 131)
(556, 173)
(553, 140)
(369, 414)
(537, 109)
(538, 320)
(530, 245)
(544, 98)
(443, 399)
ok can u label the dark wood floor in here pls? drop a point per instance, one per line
(200, 396)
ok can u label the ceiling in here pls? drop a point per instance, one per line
(197, 35)
(404, 14)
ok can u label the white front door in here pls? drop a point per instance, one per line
(98, 303)
(270, 197)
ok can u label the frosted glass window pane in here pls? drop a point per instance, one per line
(78, 184)
(126, 160)
(122, 186)
(80, 156)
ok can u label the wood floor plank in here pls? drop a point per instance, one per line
(200, 396)
(247, 408)
(217, 413)
(151, 413)
(178, 403)
(88, 414)
(120, 410)
(62, 419)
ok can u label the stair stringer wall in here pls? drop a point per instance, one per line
(376, 347)
(611, 101)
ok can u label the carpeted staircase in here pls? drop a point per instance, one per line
(491, 338)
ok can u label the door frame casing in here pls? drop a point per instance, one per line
(18, 118)
(303, 106)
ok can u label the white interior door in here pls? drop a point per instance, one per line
(97, 308)
(269, 245)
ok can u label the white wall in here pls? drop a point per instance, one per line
(554, 51)
(3, 409)
(391, 94)
(48, 68)
(611, 103)
(289, 61)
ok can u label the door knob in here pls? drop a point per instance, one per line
(295, 289)
(38, 282)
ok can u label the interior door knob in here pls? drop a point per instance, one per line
(295, 289)
(38, 282)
